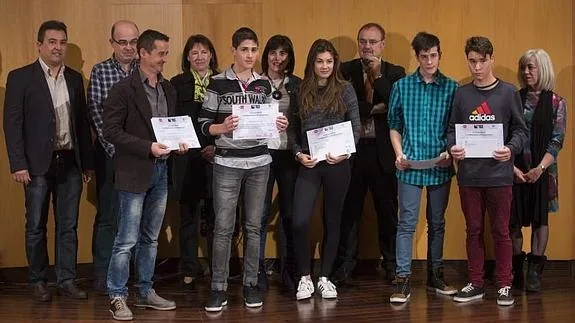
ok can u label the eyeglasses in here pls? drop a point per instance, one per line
(372, 42)
(124, 43)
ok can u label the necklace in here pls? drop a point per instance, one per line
(277, 94)
(244, 84)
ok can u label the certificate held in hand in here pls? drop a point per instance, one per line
(479, 140)
(256, 121)
(336, 140)
(173, 131)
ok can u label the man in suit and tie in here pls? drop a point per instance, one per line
(50, 151)
(373, 164)
(141, 172)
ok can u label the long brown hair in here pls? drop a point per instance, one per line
(330, 100)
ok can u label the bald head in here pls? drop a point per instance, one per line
(124, 37)
(123, 24)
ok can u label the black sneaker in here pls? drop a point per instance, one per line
(436, 282)
(469, 293)
(504, 297)
(217, 301)
(402, 291)
(252, 296)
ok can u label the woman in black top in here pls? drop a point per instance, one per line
(326, 99)
(191, 172)
(278, 61)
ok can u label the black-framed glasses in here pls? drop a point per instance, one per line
(124, 43)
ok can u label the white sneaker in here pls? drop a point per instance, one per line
(304, 288)
(326, 288)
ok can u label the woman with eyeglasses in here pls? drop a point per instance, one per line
(326, 99)
(191, 173)
(278, 61)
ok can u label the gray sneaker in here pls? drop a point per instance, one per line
(156, 302)
(120, 311)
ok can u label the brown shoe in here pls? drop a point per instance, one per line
(41, 292)
(69, 289)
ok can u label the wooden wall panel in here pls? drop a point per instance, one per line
(513, 26)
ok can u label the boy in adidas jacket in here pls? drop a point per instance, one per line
(486, 183)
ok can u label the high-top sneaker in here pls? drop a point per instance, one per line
(436, 282)
(402, 291)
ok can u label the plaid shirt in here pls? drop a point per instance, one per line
(419, 111)
(104, 75)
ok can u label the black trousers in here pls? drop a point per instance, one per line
(367, 173)
(335, 181)
(196, 186)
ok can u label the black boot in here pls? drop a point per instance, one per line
(534, 270)
(437, 283)
(518, 275)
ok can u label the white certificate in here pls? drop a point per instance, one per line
(173, 131)
(336, 139)
(256, 121)
(479, 140)
(425, 164)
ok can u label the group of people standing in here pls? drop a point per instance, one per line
(395, 119)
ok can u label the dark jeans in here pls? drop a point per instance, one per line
(283, 169)
(106, 215)
(64, 182)
(193, 190)
(497, 202)
(367, 173)
(140, 217)
(335, 181)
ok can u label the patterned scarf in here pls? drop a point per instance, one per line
(200, 85)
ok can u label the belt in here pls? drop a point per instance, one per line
(248, 152)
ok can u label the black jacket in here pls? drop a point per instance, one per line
(30, 121)
(353, 72)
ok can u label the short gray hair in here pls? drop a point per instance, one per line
(546, 79)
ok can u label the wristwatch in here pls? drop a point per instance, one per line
(542, 167)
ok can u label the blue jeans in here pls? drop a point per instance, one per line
(283, 169)
(140, 217)
(227, 184)
(64, 182)
(409, 202)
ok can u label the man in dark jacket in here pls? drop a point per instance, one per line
(373, 164)
(49, 147)
(141, 172)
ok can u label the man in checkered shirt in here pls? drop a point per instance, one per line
(418, 116)
(123, 38)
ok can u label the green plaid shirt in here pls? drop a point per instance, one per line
(419, 111)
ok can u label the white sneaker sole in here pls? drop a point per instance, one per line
(217, 308)
(303, 296)
(505, 303)
(399, 300)
(253, 305)
(328, 296)
(468, 299)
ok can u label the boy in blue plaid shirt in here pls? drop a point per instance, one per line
(419, 110)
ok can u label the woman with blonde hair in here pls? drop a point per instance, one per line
(536, 180)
